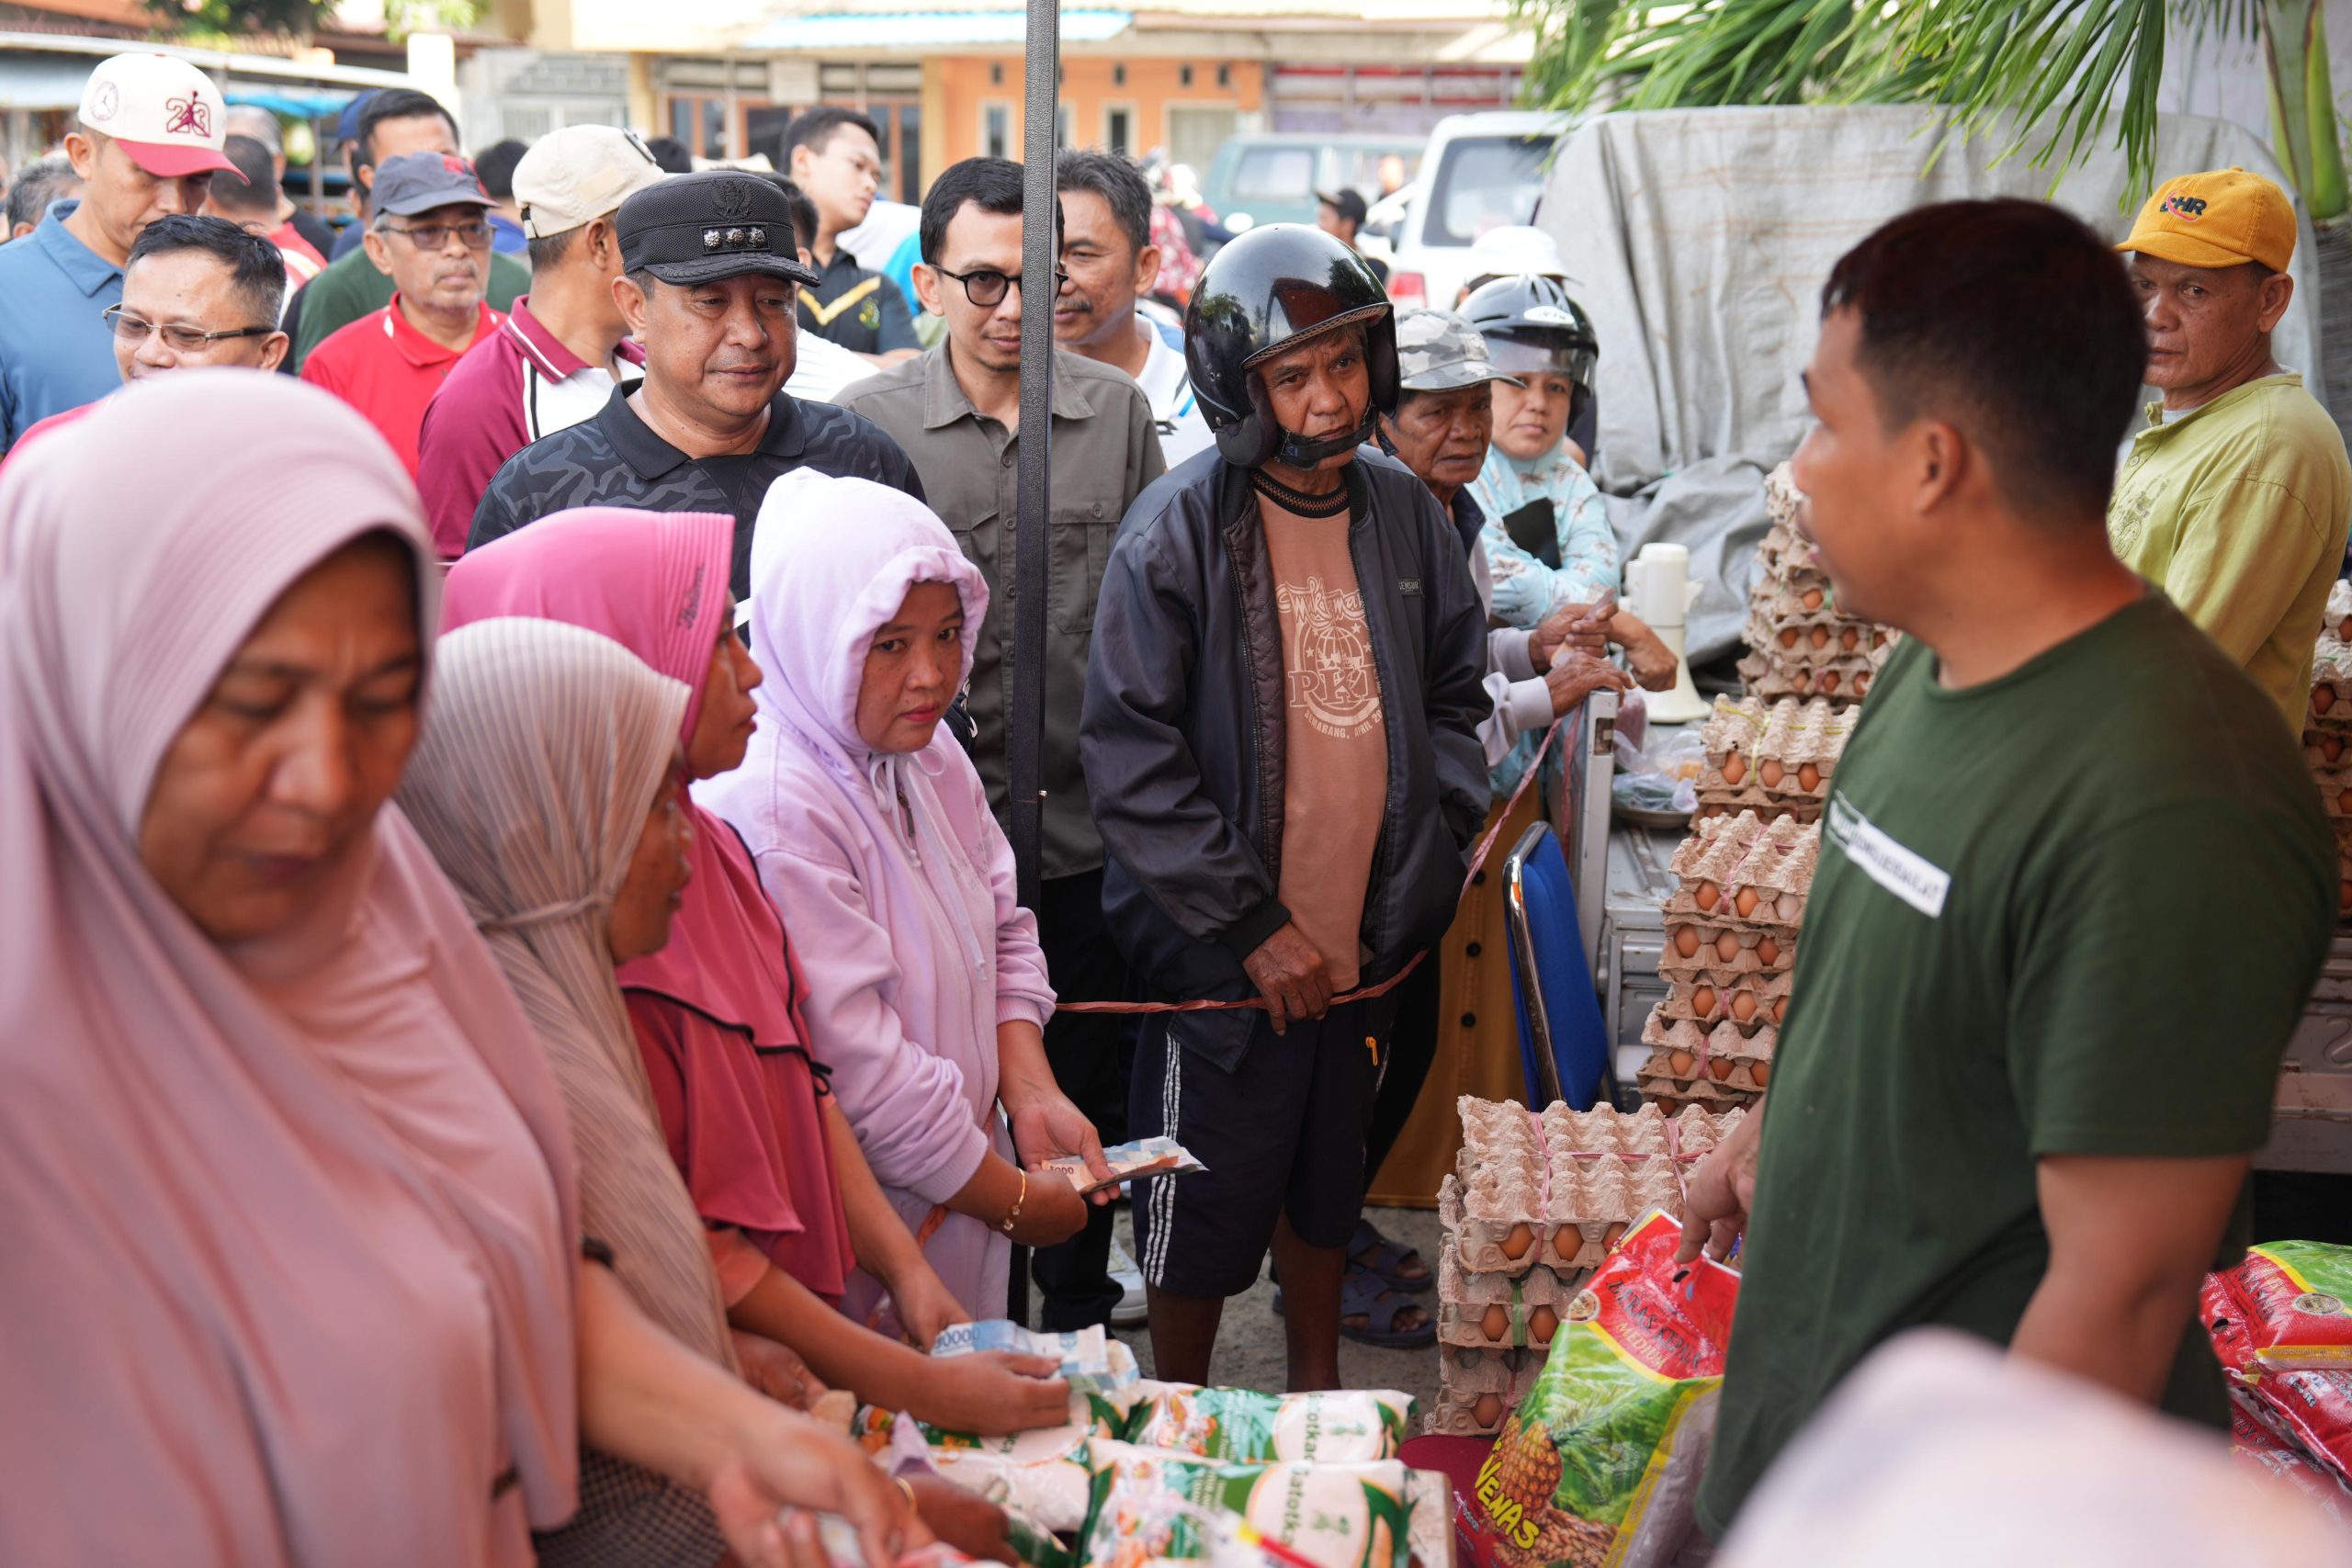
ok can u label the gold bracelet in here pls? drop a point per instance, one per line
(908, 1488)
(1014, 1217)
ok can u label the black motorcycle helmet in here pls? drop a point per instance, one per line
(1262, 292)
(1532, 327)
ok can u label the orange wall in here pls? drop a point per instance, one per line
(963, 88)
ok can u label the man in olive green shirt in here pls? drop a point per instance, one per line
(2073, 881)
(2235, 496)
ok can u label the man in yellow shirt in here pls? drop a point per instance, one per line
(2234, 498)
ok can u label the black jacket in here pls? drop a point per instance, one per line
(1182, 732)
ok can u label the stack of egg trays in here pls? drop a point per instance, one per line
(1800, 646)
(1773, 758)
(2328, 733)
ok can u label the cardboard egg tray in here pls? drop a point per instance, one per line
(1477, 1389)
(1499, 1312)
(2331, 705)
(1686, 1050)
(1726, 859)
(1842, 680)
(1695, 1094)
(1744, 1001)
(1720, 954)
(1558, 1202)
(1780, 628)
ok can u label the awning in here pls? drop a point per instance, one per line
(929, 30)
(293, 106)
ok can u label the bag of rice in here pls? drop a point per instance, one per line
(1149, 1506)
(1338, 1427)
(1598, 1462)
(1043, 1474)
(2291, 1296)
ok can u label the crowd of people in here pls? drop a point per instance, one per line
(517, 982)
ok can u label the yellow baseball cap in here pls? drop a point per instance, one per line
(2221, 218)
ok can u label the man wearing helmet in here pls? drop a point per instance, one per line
(1548, 537)
(1280, 738)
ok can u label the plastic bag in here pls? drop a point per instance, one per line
(1340, 1426)
(2292, 1297)
(1148, 1507)
(1598, 1462)
(1662, 776)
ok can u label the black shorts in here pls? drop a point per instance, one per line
(1283, 1135)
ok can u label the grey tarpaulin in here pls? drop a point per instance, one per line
(1698, 240)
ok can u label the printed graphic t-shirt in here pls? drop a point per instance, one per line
(1335, 774)
(2074, 910)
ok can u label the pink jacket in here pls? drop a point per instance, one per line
(913, 946)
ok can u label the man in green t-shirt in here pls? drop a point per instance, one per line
(2233, 497)
(2074, 888)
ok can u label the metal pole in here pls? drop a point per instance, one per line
(1025, 729)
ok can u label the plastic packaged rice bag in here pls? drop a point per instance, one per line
(1090, 1359)
(2292, 1297)
(1338, 1427)
(1598, 1462)
(1149, 1504)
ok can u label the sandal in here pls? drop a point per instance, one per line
(1362, 1296)
(1369, 1252)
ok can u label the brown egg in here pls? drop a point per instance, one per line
(1685, 940)
(2323, 698)
(1743, 1006)
(1567, 1241)
(1780, 1011)
(2343, 629)
(1788, 907)
(1850, 639)
(1665, 1107)
(1727, 947)
(1809, 776)
(1801, 681)
(1830, 679)
(1496, 1322)
(1608, 1237)
(1788, 636)
(1540, 1325)
(2331, 747)
(1735, 768)
(1679, 1063)
(1745, 902)
(1768, 772)
(2344, 804)
(1488, 1410)
(1703, 1001)
(1878, 640)
(1516, 1244)
(1861, 683)
(1768, 952)
(1818, 636)
(1761, 1072)
(1721, 1066)
(1813, 601)
(1705, 894)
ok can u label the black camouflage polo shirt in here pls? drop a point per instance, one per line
(615, 459)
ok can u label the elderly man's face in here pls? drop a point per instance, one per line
(1320, 388)
(717, 350)
(181, 293)
(1443, 437)
(2206, 326)
(438, 259)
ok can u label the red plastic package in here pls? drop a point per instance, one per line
(2291, 1296)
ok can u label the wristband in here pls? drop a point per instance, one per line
(1014, 1218)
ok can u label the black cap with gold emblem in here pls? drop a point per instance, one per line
(703, 227)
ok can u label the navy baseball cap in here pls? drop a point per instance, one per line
(1347, 201)
(703, 227)
(419, 182)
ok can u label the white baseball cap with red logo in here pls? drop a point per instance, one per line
(167, 114)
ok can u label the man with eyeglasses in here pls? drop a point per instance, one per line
(197, 293)
(711, 276)
(431, 237)
(957, 409)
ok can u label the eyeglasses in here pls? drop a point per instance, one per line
(183, 339)
(986, 286)
(433, 236)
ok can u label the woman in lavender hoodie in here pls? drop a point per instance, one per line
(873, 835)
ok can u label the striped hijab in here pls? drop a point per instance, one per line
(542, 754)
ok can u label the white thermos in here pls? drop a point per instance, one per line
(1659, 589)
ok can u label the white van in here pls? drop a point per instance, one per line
(1481, 172)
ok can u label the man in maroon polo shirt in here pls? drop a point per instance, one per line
(564, 346)
(429, 234)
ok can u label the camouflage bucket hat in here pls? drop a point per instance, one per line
(1438, 351)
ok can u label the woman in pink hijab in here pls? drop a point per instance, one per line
(873, 835)
(291, 1266)
(772, 1167)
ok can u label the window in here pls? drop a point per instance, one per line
(1484, 182)
(1273, 174)
(1225, 75)
(996, 74)
(1196, 132)
(1061, 125)
(1118, 75)
(996, 131)
(1183, 75)
(1118, 129)
(701, 123)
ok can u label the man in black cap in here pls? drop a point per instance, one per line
(711, 274)
(1341, 214)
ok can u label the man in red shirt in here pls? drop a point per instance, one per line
(251, 204)
(430, 235)
(564, 348)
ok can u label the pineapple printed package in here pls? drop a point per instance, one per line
(1597, 1467)
(1153, 1507)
